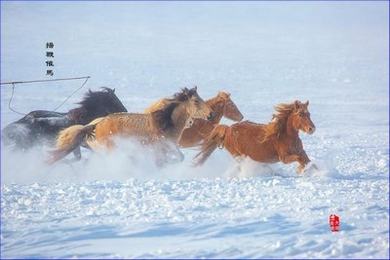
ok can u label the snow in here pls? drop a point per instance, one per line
(120, 205)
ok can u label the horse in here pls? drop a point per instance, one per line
(221, 104)
(41, 126)
(164, 124)
(267, 143)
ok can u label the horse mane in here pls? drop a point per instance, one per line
(96, 104)
(279, 120)
(162, 117)
(181, 96)
(184, 94)
(214, 101)
(90, 98)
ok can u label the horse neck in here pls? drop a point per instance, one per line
(217, 104)
(291, 131)
(77, 115)
(179, 122)
(99, 107)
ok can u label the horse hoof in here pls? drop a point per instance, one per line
(314, 166)
(310, 167)
(300, 170)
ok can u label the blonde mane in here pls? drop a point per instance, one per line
(181, 96)
(279, 119)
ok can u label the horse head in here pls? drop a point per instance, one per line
(300, 117)
(16, 135)
(192, 104)
(230, 110)
(99, 103)
(112, 100)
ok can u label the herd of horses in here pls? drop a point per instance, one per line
(168, 125)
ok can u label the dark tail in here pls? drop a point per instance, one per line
(214, 140)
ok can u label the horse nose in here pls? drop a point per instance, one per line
(311, 129)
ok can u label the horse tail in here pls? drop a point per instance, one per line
(214, 140)
(70, 139)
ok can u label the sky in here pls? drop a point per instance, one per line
(267, 49)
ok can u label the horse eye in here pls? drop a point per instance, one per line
(301, 114)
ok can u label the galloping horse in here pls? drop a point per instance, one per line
(277, 141)
(43, 126)
(156, 127)
(222, 105)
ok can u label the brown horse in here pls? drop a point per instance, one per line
(164, 124)
(277, 141)
(222, 105)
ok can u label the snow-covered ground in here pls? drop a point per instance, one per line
(333, 54)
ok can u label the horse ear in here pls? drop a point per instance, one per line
(113, 90)
(296, 104)
(223, 94)
(307, 103)
(192, 92)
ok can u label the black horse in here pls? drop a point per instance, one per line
(41, 126)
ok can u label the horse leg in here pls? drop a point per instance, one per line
(302, 160)
(307, 167)
(77, 157)
(235, 170)
(166, 153)
(160, 157)
(77, 154)
(178, 153)
(109, 144)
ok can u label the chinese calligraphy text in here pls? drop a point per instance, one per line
(49, 59)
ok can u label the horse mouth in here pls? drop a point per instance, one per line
(239, 118)
(310, 130)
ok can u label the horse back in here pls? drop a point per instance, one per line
(40, 114)
(245, 139)
(126, 125)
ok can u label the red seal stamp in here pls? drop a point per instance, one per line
(334, 223)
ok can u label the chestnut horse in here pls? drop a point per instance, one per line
(277, 141)
(159, 126)
(222, 105)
